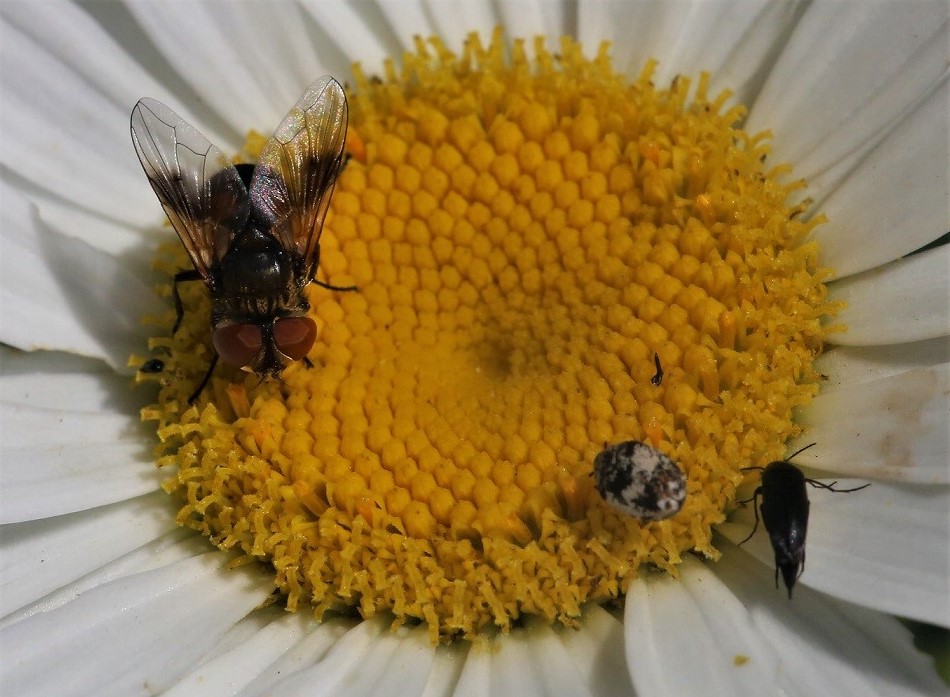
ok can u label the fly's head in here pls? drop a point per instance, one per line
(264, 347)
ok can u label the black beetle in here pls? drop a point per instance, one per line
(785, 514)
(152, 365)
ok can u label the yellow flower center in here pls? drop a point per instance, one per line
(525, 235)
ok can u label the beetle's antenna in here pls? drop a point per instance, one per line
(799, 451)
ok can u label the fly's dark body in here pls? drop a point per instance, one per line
(256, 280)
(784, 512)
(252, 232)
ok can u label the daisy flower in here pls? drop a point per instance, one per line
(534, 283)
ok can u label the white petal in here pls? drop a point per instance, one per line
(43, 555)
(864, 550)
(446, 669)
(541, 661)
(558, 670)
(892, 428)
(454, 20)
(735, 40)
(341, 665)
(897, 199)
(683, 636)
(886, 547)
(597, 649)
(135, 635)
(526, 19)
(71, 138)
(248, 61)
(233, 669)
(711, 32)
(750, 55)
(306, 653)
(48, 380)
(637, 29)
(367, 659)
(513, 672)
(114, 236)
(907, 300)
(475, 678)
(835, 90)
(176, 545)
(250, 626)
(66, 32)
(350, 28)
(849, 365)
(828, 646)
(408, 18)
(57, 462)
(57, 292)
(723, 629)
(398, 665)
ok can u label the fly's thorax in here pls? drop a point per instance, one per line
(256, 281)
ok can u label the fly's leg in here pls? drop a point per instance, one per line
(181, 277)
(194, 395)
(346, 289)
(184, 277)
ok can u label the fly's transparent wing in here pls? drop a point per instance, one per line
(294, 179)
(201, 191)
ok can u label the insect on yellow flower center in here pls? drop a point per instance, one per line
(526, 234)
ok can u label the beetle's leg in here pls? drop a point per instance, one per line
(748, 469)
(755, 509)
(831, 487)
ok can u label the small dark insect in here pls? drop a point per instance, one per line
(639, 480)
(785, 514)
(252, 233)
(658, 378)
(152, 365)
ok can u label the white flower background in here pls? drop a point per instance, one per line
(100, 593)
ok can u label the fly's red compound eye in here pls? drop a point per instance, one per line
(238, 344)
(294, 336)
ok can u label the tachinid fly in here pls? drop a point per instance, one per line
(253, 240)
(784, 509)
